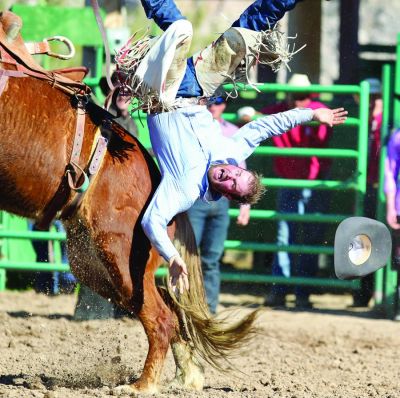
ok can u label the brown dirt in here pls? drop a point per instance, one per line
(320, 353)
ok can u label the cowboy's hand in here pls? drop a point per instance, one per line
(331, 117)
(178, 275)
(244, 215)
(391, 218)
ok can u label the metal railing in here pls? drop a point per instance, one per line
(386, 279)
(357, 184)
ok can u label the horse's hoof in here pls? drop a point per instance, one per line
(125, 390)
(194, 382)
(132, 390)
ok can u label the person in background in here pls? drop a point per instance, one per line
(210, 221)
(119, 106)
(392, 193)
(362, 296)
(301, 201)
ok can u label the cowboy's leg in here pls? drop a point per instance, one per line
(242, 42)
(264, 14)
(260, 15)
(163, 12)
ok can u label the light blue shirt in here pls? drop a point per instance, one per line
(186, 143)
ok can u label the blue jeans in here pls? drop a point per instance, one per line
(52, 282)
(210, 222)
(301, 201)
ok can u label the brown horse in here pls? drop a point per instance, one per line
(108, 250)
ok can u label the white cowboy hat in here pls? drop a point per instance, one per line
(248, 111)
(299, 80)
(362, 246)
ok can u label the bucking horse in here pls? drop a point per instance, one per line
(54, 162)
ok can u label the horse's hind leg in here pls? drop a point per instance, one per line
(189, 372)
(160, 325)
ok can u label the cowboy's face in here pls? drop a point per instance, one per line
(217, 110)
(230, 180)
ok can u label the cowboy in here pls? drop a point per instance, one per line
(194, 161)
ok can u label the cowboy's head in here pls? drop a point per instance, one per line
(235, 183)
(217, 107)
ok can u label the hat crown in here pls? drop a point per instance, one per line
(300, 80)
(246, 111)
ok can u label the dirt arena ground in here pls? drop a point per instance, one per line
(320, 353)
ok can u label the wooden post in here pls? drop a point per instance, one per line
(305, 22)
(348, 42)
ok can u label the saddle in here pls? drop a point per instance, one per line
(16, 61)
(13, 51)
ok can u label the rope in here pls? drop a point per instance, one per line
(96, 9)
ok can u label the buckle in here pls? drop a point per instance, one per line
(64, 40)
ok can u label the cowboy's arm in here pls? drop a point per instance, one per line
(252, 134)
(163, 12)
(165, 204)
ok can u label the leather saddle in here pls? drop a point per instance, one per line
(12, 47)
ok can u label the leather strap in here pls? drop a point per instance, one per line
(11, 73)
(3, 82)
(98, 155)
(41, 47)
(94, 166)
(56, 80)
(5, 74)
(77, 178)
(79, 133)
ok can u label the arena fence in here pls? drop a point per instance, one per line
(386, 279)
(357, 184)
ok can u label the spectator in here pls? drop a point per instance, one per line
(210, 221)
(51, 282)
(301, 201)
(245, 115)
(362, 296)
(119, 105)
(392, 192)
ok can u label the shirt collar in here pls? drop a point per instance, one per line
(206, 193)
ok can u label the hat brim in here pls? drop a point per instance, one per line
(380, 247)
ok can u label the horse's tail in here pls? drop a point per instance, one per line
(214, 340)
